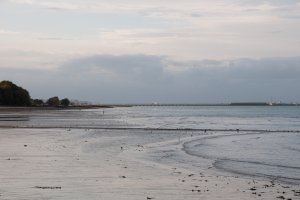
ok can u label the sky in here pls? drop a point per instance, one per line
(166, 51)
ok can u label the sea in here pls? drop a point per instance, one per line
(266, 144)
(211, 117)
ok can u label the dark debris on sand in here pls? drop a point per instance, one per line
(48, 187)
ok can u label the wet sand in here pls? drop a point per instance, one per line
(70, 163)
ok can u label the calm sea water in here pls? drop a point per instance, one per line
(268, 155)
(214, 117)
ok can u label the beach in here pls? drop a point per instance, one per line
(50, 158)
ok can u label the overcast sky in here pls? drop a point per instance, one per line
(133, 51)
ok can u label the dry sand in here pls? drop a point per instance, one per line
(117, 164)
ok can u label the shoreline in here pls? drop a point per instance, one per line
(203, 136)
(34, 108)
(92, 155)
(208, 130)
(218, 164)
(117, 164)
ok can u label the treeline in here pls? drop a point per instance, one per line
(53, 101)
(13, 95)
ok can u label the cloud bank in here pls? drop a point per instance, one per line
(146, 79)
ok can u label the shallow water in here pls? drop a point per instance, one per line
(212, 117)
(252, 153)
(269, 155)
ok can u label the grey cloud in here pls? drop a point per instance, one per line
(196, 15)
(280, 70)
(273, 2)
(268, 68)
(142, 78)
(284, 9)
(291, 16)
(55, 8)
(54, 38)
(131, 67)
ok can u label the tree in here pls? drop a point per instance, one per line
(65, 102)
(13, 95)
(37, 102)
(53, 101)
